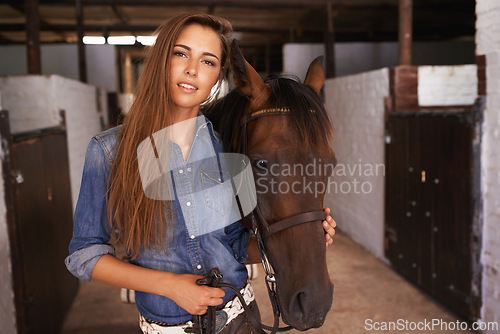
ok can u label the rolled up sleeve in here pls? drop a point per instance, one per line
(81, 262)
(91, 231)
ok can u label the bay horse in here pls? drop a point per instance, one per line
(279, 124)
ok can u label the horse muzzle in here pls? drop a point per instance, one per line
(308, 307)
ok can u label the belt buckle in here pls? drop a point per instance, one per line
(220, 321)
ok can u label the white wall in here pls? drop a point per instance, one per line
(352, 58)
(30, 102)
(62, 59)
(7, 307)
(447, 85)
(488, 44)
(356, 106)
(34, 102)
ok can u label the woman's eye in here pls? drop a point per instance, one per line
(209, 63)
(179, 54)
(261, 164)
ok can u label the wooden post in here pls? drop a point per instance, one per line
(82, 62)
(33, 36)
(329, 42)
(127, 71)
(405, 31)
(268, 57)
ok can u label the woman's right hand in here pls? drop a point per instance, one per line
(192, 297)
(182, 289)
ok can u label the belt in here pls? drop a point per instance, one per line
(232, 309)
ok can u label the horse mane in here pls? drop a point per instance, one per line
(226, 114)
(312, 128)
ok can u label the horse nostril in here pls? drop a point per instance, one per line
(307, 311)
(297, 305)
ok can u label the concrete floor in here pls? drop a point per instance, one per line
(365, 288)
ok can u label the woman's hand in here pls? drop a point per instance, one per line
(329, 225)
(192, 297)
(182, 289)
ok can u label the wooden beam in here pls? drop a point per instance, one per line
(144, 28)
(443, 7)
(82, 62)
(202, 3)
(33, 36)
(371, 26)
(121, 15)
(329, 42)
(127, 73)
(342, 34)
(268, 58)
(20, 7)
(6, 40)
(405, 31)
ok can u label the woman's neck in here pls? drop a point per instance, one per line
(183, 130)
(183, 114)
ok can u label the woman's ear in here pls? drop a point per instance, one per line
(315, 76)
(247, 80)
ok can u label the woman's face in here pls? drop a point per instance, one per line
(194, 68)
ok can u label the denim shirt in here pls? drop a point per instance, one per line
(186, 252)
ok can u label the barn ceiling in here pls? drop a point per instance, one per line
(257, 21)
(259, 24)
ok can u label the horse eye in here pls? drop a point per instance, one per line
(261, 164)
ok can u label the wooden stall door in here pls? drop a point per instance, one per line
(43, 222)
(430, 184)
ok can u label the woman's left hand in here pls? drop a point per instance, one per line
(329, 225)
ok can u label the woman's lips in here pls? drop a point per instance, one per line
(187, 87)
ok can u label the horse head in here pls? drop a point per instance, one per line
(291, 160)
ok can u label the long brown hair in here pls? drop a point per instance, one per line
(139, 220)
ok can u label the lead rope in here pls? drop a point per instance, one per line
(213, 279)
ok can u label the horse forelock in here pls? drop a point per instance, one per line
(308, 117)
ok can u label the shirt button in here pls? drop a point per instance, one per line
(192, 237)
(189, 169)
(188, 203)
(181, 171)
(198, 266)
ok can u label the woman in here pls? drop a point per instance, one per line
(187, 60)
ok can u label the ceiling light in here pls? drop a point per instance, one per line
(121, 40)
(93, 40)
(146, 40)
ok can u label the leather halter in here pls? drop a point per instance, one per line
(289, 222)
(268, 230)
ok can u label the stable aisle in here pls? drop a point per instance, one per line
(366, 291)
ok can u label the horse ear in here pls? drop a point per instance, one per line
(315, 76)
(247, 80)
